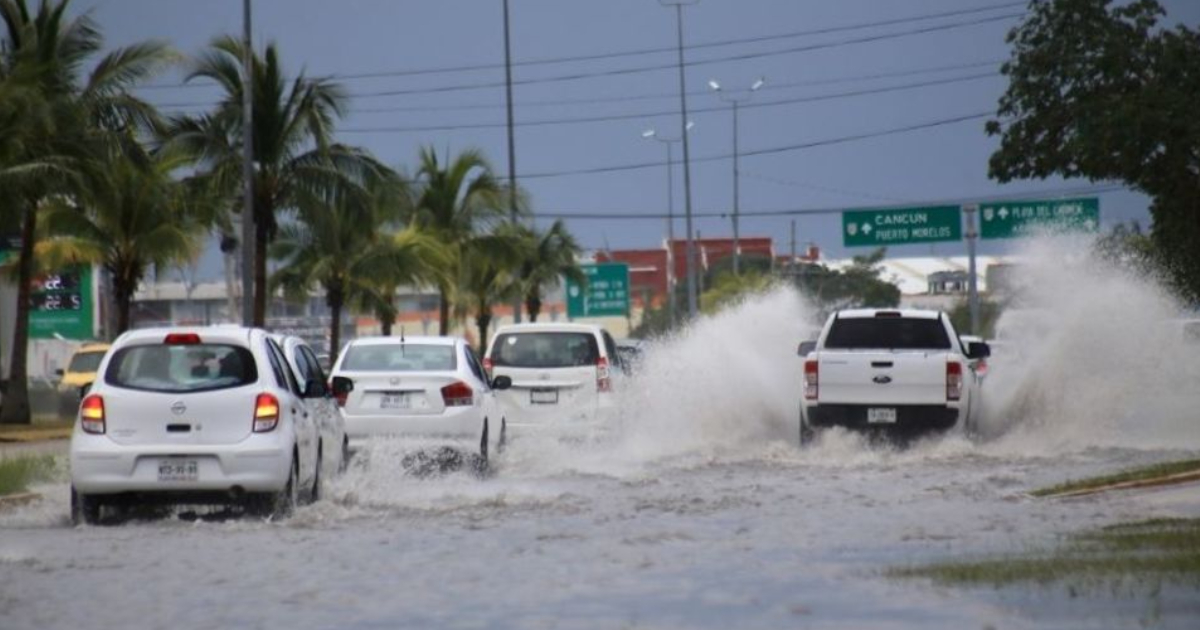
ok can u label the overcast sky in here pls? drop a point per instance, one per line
(833, 70)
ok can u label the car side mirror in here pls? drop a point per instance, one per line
(314, 388)
(84, 389)
(978, 350)
(59, 372)
(501, 382)
(342, 386)
(806, 348)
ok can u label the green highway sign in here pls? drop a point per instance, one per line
(902, 226)
(1009, 219)
(606, 293)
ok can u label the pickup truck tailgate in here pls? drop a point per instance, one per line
(882, 377)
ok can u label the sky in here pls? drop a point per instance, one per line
(591, 77)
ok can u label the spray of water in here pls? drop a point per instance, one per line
(1090, 355)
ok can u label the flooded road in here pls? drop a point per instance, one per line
(697, 510)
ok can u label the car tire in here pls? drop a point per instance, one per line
(345, 455)
(279, 504)
(807, 434)
(84, 509)
(317, 490)
(502, 443)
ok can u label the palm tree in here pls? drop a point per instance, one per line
(43, 57)
(131, 214)
(486, 276)
(455, 204)
(546, 256)
(293, 149)
(343, 244)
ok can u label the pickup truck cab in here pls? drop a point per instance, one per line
(888, 370)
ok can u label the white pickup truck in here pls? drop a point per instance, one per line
(902, 372)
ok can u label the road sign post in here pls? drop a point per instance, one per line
(901, 226)
(972, 278)
(606, 293)
(1013, 219)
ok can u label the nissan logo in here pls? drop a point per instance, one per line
(394, 380)
(178, 408)
(882, 379)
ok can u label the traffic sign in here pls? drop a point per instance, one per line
(60, 305)
(1010, 219)
(606, 293)
(902, 226)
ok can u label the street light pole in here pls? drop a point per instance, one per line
(248, 226)
(669, 141)
(736, 100)
(692, 297)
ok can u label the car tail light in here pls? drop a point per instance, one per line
(266, 413)
(91, 414)
(603, 380)
(458, 394)
(341, 388)
(954, 381)
(981, 367)
(182, 339)
(811, 378)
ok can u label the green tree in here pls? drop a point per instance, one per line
(346, 244)
(546, 257)
(57, 116)
(727, 289)
(858, 285)
(294, 153)
(1101, 91)
(455, 204)
(486, 268)
(131, 214)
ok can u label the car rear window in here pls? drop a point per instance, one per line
(401, 357)
(891, 333)
(181, 368)
(86, 361)
(545, 349)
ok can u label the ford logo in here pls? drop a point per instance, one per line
(178, 408)
(882, 379)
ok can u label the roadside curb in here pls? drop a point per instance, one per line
(1168, 480)
(35, 435)
(9, 501)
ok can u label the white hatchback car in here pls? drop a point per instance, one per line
(426, 387)
(333, 446)
(562, 375)
(195, 415)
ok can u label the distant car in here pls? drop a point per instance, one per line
(78, 375)
(632, 353)
(333, 445)
(425, 387)
(564, 376)
(194, 416)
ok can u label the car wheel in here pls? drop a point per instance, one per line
(503, 442)
(317, 491)
(345, 455)
(807, 434)
(280, 504)
(84, 509)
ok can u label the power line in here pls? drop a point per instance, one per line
(668, 66)
(829, 189)
(772, 150)
(643, 115)
(721, 214)
(644, 51)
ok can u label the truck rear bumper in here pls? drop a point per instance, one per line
(909, 418)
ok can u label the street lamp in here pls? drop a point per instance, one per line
(736, 99)
(652, 134)
(693, 302)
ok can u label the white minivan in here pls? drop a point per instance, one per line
(564, 376)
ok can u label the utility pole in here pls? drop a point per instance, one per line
(248, 226)
(654, 135)
(512, 146)
(692, 296)
(970, 211)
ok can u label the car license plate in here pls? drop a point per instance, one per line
(395, 401)
(881, 415)
(543, 396)
(178, 469)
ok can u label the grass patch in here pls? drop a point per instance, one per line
(18, 473)
(1133, 474)
(1148, 552)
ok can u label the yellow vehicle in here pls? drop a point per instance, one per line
(81, 371)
